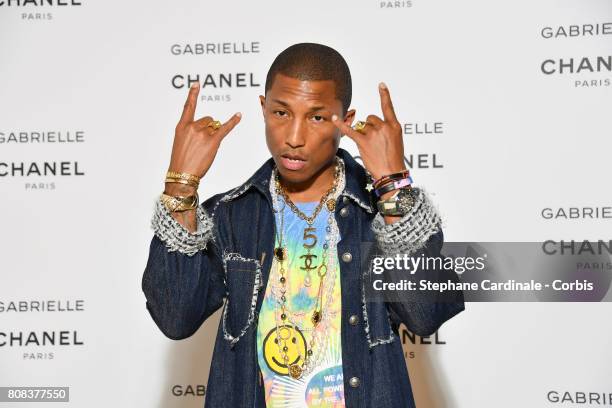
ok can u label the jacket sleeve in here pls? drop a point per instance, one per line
(183, 280)
(419, 233)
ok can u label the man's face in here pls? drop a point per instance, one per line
(299, 132)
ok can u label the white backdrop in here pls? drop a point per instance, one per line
(510, 135)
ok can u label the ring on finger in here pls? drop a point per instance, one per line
(215, 124)
(360, 126)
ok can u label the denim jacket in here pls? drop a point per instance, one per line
(227, 261)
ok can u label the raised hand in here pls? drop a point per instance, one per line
(381, 146)
(196, 144)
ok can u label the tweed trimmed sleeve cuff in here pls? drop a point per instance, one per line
(411, 232)
(178, 238)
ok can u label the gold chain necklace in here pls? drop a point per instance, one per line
(331, 204)
(309, 232)
(280, 253)
(284, 330)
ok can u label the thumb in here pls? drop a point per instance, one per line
(345, 129)
(228, 126)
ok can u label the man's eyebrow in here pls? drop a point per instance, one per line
(312, 109)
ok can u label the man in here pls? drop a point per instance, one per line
(283, 250)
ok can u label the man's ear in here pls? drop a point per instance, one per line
(262, 101)
(349, 117)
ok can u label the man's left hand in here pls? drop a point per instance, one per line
(381, 146)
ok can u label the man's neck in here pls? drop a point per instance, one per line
(314, 188)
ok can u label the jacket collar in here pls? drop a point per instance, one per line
(355, 176)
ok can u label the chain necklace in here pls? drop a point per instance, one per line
(284, 331)
(331, 204)
(309, 232)
(286, 320)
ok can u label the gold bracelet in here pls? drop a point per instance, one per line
(182, 181)
(180, 203)
(184, 176)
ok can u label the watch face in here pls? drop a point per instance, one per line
(405, 200)
(400, 204)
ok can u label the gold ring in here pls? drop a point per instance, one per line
(359, 126)
(215, 124)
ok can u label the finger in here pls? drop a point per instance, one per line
(228, 126)
(374, 121)
(202, 122)
(345, 129)
(190, 104)
(386, 104)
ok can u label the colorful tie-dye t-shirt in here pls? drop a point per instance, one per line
(323, 386)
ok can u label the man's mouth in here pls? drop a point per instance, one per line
(292, 162)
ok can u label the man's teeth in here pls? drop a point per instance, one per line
(294, 160)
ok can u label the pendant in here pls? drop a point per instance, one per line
(309, 234)
(295, 371)
(331, 205)
(280, 253)
(316, 317)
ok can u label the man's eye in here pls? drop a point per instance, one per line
(277, 112)
(318, 118)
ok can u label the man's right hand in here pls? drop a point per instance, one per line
(195, 144)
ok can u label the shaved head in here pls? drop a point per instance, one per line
(314, 62)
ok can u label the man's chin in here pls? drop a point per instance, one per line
(293, 176)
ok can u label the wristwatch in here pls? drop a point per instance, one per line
(399, 203)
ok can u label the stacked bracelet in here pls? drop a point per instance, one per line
(180, 203)
(393, 185)
(394, 176)
(182, 178)
(392, 182)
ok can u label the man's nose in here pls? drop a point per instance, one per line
(296, 136)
